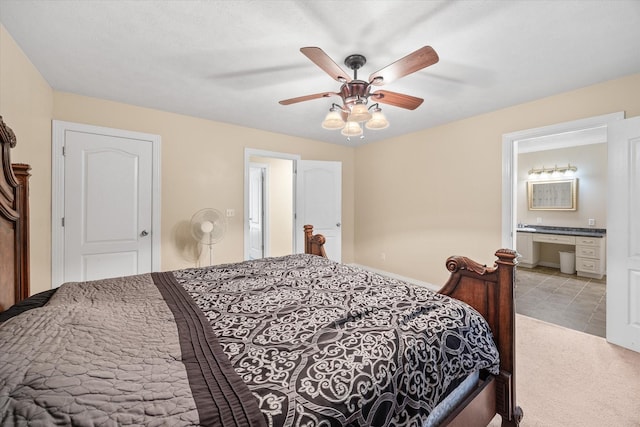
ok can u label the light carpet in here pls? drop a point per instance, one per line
(568, 378)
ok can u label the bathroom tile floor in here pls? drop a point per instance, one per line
(563, 299)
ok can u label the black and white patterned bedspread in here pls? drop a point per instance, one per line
(325, 344)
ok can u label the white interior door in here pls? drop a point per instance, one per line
(319, 203)
(256, 210)
(623, 234)
(105, 203)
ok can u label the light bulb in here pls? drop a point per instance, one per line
(359, 113)
(333, 120)
(378, 120)
(351, 129)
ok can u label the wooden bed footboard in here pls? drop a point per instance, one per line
(489, 290)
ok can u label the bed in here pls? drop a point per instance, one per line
(294, 340)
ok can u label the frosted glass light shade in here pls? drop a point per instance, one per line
(351, 129)
(378, 121)
(333, 120)
(359, 113)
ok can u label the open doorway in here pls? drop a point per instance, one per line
(543, 289)
(295, 192)
(269, 204)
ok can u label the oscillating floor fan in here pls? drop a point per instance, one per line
(208, 227)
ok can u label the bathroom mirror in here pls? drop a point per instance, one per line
(556, 195)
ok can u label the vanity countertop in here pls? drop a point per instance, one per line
(565, 231)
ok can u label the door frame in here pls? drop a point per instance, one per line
(59, 128)
(510, 162)
(248, 153)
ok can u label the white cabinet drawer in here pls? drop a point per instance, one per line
(589, 241)
(587, 251)
(588, 265)
(554, 238)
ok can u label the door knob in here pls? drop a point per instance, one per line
(144, 233)
(338, 224)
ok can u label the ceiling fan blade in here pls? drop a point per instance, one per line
(397, 99)
(411, 63)
(322, 60)
(308, 97)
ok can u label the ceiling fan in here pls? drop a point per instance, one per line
(356, 93)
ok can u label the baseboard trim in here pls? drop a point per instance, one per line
(398, 277)
(549, 264)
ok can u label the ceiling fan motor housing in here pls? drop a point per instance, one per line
(354, 90)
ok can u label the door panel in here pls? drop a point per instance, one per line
(102, 265)
(109, 201)
(108, 206)
(319, 203)
(623, 234)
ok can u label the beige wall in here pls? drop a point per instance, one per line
(26, 105)
(591, 161)
(438, 192)
(202, 162)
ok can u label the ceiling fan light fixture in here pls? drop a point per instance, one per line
(359, 112)
(378, 120)
(356, 93)
(351, 129)
(333, 119)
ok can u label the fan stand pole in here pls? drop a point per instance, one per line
(210, 255)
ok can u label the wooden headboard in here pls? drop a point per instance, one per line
(14, 223)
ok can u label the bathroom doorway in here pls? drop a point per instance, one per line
(544, 292)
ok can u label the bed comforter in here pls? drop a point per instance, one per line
(291, 341)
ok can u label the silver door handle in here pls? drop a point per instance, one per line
(144, 233)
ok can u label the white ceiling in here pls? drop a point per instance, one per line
(232, 61)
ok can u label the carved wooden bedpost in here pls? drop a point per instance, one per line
(507, 261)
(313, 245)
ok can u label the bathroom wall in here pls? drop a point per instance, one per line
(591, 163)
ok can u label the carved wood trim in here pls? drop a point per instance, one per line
(14, 223)
(7, 179)
(313, 244)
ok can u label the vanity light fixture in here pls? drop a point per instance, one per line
(554, 172)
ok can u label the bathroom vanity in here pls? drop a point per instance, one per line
(589, 243)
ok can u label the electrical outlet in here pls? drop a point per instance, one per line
(383, 256)
(231, 213)
(538, 220)
(592, 222)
